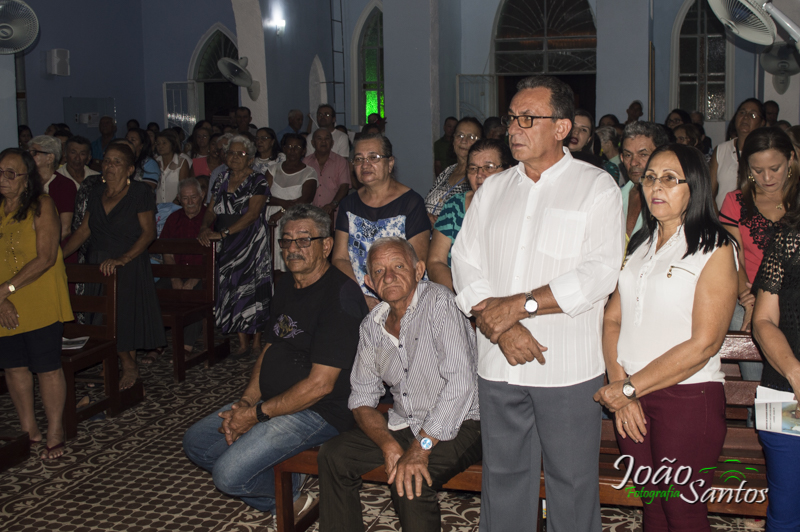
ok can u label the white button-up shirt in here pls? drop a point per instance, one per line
(566, 231)
(657, 290)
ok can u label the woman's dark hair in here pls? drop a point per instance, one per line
(471, 120)
(22, 128)
(33, 189)
(276, 149)
(691, 131)
(294, 136)
(123, 150)
(763, 139)
(386, 145)
(171, 137)
(732, 125)
(701, 225)
(506, 159)
(144, 138)
(685, 117)
(589, 147)
(154, 126)
(614, 119)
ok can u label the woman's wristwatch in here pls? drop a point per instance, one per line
(225, 232)
(628, 390)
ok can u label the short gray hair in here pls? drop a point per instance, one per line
(249, 147)
(50, 145)
(398, 241)
(651, 130)
(225, 138)
(190, 182)
(608, 134)
(295, 112)
(307, 212)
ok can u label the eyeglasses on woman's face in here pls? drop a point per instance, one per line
(10, 174)
(372, 158)
(242, 154)
(666, 180)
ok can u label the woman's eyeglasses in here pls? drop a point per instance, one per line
(238, 153)
(487, 169)
(373, 158)
(9, 174)
(462, 136)
(667, 181)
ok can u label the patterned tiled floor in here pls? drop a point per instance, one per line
(130, 474)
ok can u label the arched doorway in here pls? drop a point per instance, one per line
(217, 97)
(553, 37)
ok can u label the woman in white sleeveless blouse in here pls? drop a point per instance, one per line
(662, 331)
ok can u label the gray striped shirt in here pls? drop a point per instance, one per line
(431, 368)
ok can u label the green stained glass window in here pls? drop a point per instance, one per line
(371, 66)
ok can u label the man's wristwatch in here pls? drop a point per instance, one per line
(531, 305)
(225, 232)
(12, 288)
(426, 444)
(260, 415)
(628, 390)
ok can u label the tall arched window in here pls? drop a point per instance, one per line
(370, 67)
(217, 46)
(702, 62)
(545, 37)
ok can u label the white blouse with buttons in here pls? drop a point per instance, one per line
(657, 297)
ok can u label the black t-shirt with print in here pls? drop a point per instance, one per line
(314, 325)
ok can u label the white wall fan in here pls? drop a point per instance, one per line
(18, 26)
(236, 72)
(754, 20)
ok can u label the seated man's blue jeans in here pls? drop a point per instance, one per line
(244, 469)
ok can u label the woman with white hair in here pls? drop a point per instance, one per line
(235, 219)
(46, 151)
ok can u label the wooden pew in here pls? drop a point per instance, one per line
(180, 308)
(741, 445)
(101, 348)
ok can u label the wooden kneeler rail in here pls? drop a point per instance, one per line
(741, 447)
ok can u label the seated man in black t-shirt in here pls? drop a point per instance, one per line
(298, 392)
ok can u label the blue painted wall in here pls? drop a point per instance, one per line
(410, 73)
(450, 37)
(170, 31)
(289, 56)
(622, 62)
(105, 58)
(8, 103)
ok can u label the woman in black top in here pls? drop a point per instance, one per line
(776, 328)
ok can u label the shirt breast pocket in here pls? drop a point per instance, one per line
(561, 233)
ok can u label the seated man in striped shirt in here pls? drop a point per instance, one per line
(419, 343)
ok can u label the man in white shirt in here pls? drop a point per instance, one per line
(326, 119)
(537, 256)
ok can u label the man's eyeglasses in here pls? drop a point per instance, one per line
(667, 181)
(328, 115)
(9, 174)
(524, 121)
(373, 158)
(488, 168)
(238, 153)
(462, 136)
(286, 243)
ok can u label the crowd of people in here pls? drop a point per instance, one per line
(601, 265)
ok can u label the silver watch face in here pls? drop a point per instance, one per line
(628, 390)
(531, 306)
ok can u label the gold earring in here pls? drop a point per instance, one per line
(751, 178)
(103, 178)
(789, 175)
